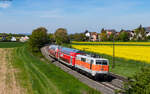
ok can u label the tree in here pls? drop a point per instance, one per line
(148, 37)
(103, 35)
(140, 33)
(51, 38)
(103, 30)
(140, 83)
(38, 38)
(61, 36)
(111, 37)
(77, 37)
(124, 36)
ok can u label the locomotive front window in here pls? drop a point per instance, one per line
(101, 62)
(83, 59)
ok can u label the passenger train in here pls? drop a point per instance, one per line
(79, 60)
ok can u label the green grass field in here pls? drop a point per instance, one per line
(10, 44)
(38, 76)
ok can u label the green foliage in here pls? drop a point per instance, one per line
(140, 34)
(77, 37)
(38, 38)
(61, 36)
(10, 44)
(103, 35)
(139, 83)
(111, 37)
(124, 36)
(148, 37)
(51, 38)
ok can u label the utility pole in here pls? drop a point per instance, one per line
(113, 62)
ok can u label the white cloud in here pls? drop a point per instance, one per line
(5, 5)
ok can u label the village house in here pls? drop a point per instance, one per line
(24, 39)
(111, 31)
(147, 29)
(93, 36)
(131, 34)
(3, 37)
(13, 39)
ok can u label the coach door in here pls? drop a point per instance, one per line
(91, 64)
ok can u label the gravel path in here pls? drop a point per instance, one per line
(8, 82)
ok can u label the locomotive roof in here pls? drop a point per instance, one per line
(71, 50)
(87, 56)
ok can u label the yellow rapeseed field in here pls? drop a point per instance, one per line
(134, 43)
(138, 53)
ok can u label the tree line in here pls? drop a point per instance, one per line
(40, 37)
(6, 37)
(139, 34)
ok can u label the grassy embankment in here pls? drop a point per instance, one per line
(10, 44)
(39, 77)
(123, 66)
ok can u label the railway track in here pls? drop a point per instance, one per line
(104, 87)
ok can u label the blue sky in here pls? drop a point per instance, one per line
(22, 16)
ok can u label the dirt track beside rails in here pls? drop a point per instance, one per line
(91, 83)
(8, 82)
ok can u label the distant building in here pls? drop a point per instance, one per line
(92, 36)
(147, 29)
(13, 39)
(24, 39)
(87, 34)
(3, 37)
(131, 34)
(111, 31)
(147, 34)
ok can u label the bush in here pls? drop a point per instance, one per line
(140, 83)
(148, 37)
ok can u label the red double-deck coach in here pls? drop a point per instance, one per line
(68, 55)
